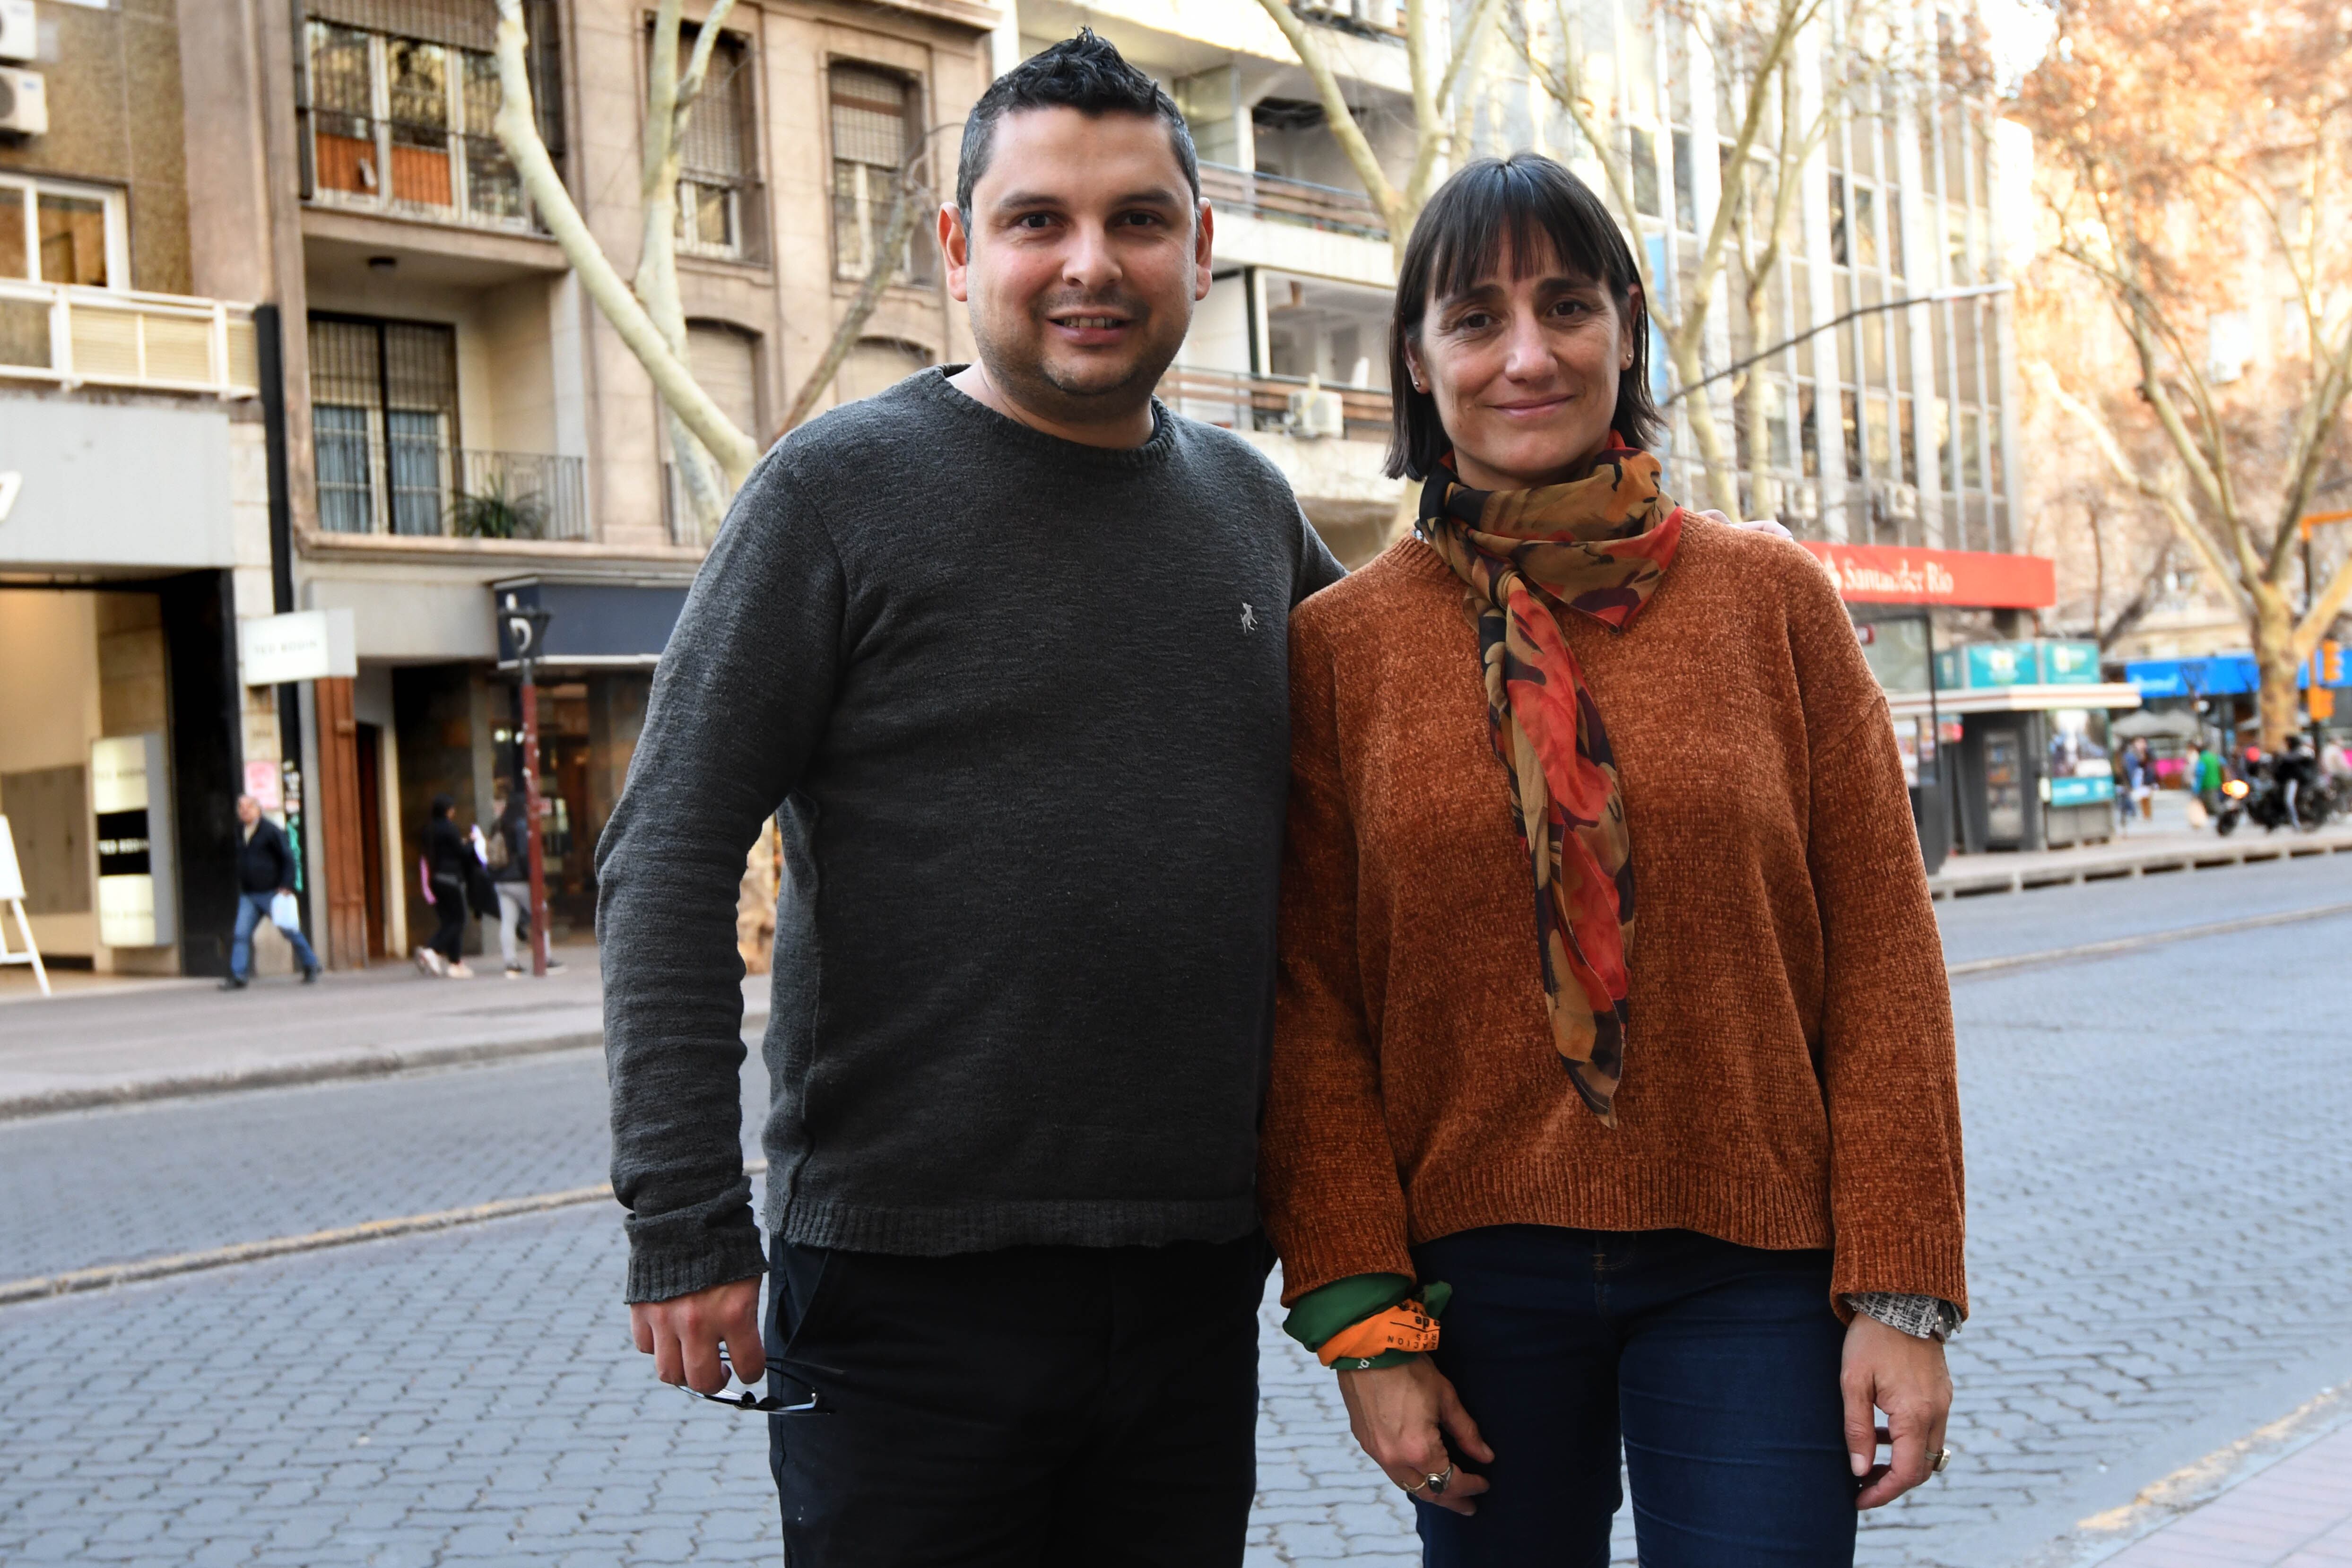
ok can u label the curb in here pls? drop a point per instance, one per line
(376, 1062)
(2114, 864)
(381, 1061)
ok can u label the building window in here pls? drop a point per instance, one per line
(1644, 159)
(54, 232)
(876, 117)
(399, 104)
(384, 423)
(1685, 186)
(716, 174)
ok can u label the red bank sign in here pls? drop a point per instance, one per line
(1985, 579)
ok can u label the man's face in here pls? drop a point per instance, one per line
(1086, 252)
(248, 809)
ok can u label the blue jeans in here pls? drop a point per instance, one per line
(1717, 1366)
(252, 909)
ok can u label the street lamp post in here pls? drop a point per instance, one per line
(527, 624)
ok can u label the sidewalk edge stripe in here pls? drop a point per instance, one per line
(2146, 939)
(99, 1277)
(2184, 1491)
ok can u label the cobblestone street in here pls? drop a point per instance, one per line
(2159, 1191)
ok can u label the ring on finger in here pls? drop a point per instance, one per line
(1435, 1483)
(1942, 1458)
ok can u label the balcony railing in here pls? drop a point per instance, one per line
(416, 487)
(70, 336)
(379, 165)
(1292, 201)
(1240, 401)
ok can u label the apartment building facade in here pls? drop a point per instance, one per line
(133, 504)
(461, 426)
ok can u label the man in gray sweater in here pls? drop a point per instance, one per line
(1006, 647)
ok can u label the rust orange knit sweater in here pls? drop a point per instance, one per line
(1789, 1064)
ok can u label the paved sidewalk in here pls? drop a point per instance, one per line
(154, 1039)
(2166, 844)
(2296, 1513)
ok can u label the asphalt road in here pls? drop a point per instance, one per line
(2159, 1189)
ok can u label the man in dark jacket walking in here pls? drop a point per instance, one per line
(265, 868)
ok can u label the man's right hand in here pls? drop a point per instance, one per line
(683, 1335)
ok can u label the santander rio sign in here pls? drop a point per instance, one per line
(1893, 574)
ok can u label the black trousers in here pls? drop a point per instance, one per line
(448, 937)
(1034, 1407)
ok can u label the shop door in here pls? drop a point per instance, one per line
(2004, 773)
(370, 780)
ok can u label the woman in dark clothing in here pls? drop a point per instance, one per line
(446, 867)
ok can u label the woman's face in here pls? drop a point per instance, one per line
(1524, 372)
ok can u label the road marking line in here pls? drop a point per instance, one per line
(105, 1274)
(2146, 939)
(2192, 1486)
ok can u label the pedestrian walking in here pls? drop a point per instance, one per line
(1544, 1192)
(2140, 765)
(2212, 767)
(445, 869)
(265, 890)
(509, 859)
(1007, 646)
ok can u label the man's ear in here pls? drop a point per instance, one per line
(1205, 229)
(955, 244)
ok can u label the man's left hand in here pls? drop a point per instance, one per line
(1905, 1376)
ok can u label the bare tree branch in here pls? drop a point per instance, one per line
(518, 130)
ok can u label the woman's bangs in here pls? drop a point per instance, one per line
(1510, 212)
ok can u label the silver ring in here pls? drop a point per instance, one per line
(1942, 1458)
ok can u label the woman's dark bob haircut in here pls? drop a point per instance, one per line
(1531, 207)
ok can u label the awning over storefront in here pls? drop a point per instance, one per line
(2109, 695)
(602, 624)
(1976, 579)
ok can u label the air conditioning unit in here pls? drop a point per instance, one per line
(20, 29)
(1315, 412)
(23, 106)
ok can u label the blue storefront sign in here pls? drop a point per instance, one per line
(2216, 675)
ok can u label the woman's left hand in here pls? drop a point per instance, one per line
(1905, 1376)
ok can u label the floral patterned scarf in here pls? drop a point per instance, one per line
(1598, 546)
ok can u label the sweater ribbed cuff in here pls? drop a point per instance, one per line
(659, 1274)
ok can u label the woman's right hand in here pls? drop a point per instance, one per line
(1396, 1413)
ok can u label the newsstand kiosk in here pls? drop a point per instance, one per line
(2002, 742)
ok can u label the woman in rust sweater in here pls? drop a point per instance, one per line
(1543, 1181)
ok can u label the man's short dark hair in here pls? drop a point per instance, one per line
(1084, 73)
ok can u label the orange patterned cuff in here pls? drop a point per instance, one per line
(1405, 1326)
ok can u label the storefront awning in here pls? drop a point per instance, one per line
(1975, 579)
(2107, 695)
(596, 624)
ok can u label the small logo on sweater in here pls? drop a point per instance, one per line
(1249, 617)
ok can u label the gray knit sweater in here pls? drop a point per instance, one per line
(1022, 707)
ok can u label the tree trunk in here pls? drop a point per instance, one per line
(1722, 476)
(2273, 623)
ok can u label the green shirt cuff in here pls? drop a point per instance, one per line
(1327, 1308)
